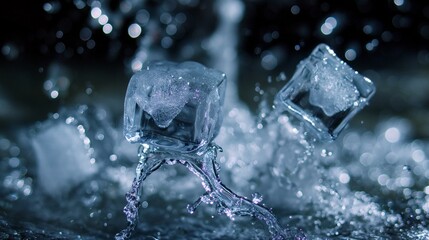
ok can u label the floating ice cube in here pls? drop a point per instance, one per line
(175, 106)
(325, 93)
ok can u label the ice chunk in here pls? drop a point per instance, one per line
(70, 146)
(325, 93)
(62, 158)
(176, 106)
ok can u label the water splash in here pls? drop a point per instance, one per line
(144, 168)
(204, 167)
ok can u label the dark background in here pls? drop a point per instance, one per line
(398, 65)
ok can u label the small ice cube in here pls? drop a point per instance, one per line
(176, 106)
(325, 93)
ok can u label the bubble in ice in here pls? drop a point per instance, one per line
(175, 106)
(325, 93)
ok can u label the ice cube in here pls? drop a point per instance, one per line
(70, 147)
(175, 106)
(325, 93)
(62, 158)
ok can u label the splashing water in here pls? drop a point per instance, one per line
(217, 194)
(144, 168)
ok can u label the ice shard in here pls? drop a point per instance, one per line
(174, 106)
(325, 93)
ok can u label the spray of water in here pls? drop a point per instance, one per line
(206, 168)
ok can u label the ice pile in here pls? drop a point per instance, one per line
(325, 93)
(174, 106)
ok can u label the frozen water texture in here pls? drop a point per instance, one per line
(325, 93)
(330, 92)
(174, 106)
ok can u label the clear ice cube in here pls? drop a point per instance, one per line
(174, 106)
(325, 93)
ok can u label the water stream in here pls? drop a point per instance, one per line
(217, 194)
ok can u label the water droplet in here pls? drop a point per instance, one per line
(269, 61)
(113, 157)
(350, 54)
(344, 178)
(295, 9)
(392, 135)
(10, 51)
(95, 12)
(107, 29)
(398, 2)
(103, 19)
(257, 198)
(14, 162)
(85, 34)
(166, 42)
(328, 26)
(134, 30)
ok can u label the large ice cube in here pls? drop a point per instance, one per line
(175, 106)
(325, 93)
